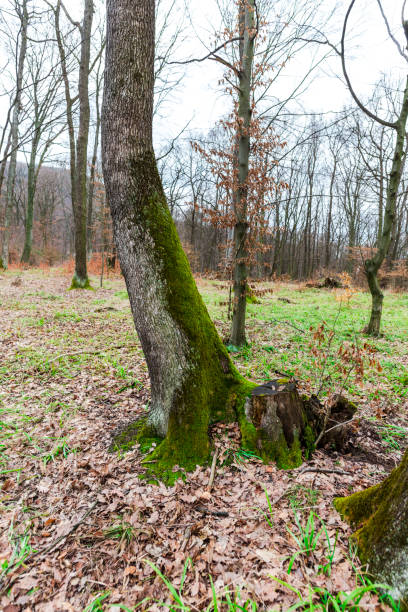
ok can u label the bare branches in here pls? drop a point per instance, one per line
(391, 35)
(346, 76)
(212, 55)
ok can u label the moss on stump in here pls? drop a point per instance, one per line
(275, 423)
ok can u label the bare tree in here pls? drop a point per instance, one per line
(373, 264)
(42, 89)
(21, 9)
(78, 143)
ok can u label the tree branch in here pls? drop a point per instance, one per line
(211, 55)
(354, 95)
(390, 34)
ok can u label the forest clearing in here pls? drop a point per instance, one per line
(204, 305)
(73, 374)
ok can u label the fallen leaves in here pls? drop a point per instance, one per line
(222, 530)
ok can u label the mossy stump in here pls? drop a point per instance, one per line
(277, 413)
(380, 515)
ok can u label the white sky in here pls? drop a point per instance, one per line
(202, 101)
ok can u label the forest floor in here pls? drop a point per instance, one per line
(80, 531)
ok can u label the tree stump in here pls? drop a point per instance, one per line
(277, 413)
(284, 422)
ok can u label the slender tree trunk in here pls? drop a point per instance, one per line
(11, 175)
(193, 381)
(246, 19)
(2, 173)
(329, 216)
(31, 187)
(372, 265)
(91, 188)
(80, 279)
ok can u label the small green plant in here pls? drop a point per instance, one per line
(391, 435)
(322, 600)
(60, 449)
(268, 515)
(233, 601)
(135, 384)
(96, 604)
(301, 496)
(240, 456)
(21, 550)
(176, 594)
(326, 568)
(122, 531)
(307, 538)
(67, 316)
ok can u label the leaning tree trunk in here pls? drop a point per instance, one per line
(381, 514)
(372, 265)
(246, 18)
(193, 381)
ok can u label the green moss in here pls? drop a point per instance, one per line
(309, 441)
(286, 456)
(210, 390)
(380, 514)
(358, 507)
(80, 283)
(135, 433)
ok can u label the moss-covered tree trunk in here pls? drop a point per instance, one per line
(372, 265)
(381, 515)
(192, 378)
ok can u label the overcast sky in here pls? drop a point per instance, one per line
(201, 100)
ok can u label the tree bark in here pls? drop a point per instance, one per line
(246, 18)
(80, 279)
(78, 148)
(193, 381)
(381, 514)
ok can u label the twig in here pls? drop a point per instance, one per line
(205, 510)
(290, 325)
(324, 471)
(341, 424)
(326, 418)
(213, 467)
(186, 537)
